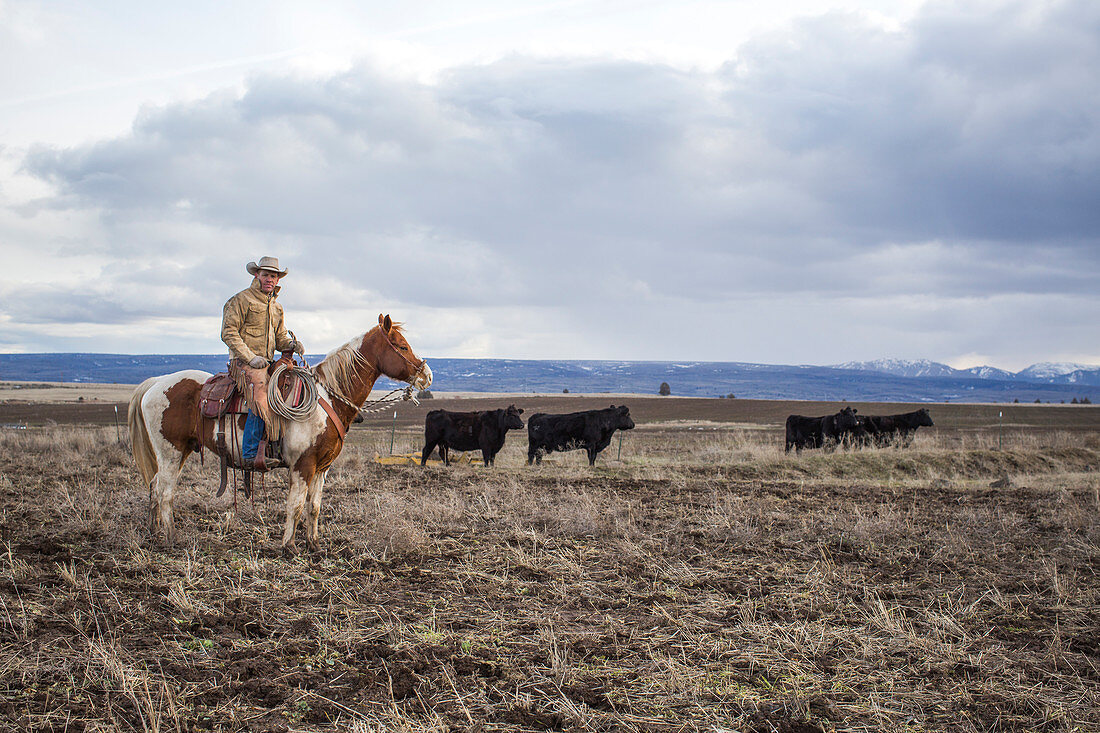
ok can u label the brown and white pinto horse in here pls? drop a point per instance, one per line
(164, 424)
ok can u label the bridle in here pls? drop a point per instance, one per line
(417, 367)
(418, 372)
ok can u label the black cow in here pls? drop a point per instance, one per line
(484, 430)
(590, 429)
(820, 432)
(885, 429)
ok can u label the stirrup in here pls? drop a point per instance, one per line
(263, 462)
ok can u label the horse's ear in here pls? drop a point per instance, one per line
(385, 323)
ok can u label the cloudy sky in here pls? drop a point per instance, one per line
(806, 182)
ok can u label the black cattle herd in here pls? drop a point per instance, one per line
(484, 430)
(851, 429)
(592, 430)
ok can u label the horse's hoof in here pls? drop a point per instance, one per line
(315, 547)
(290, 551)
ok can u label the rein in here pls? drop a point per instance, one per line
(384, 399)
(384, 402)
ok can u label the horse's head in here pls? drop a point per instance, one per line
(395, 357)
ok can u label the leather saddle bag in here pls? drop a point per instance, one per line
(216, 395)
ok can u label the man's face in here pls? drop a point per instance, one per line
(268, 280)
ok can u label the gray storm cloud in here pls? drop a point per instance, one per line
(834, 163)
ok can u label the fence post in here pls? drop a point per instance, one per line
(393, 427)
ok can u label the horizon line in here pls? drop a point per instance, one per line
(617, 360)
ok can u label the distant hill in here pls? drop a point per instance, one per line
(878, 381)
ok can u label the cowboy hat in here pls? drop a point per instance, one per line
(266, 263)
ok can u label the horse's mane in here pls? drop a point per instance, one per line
(338, 369)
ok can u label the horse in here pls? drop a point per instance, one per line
(163, 418)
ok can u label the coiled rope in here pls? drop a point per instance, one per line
(302, 392)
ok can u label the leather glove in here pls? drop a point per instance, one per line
(298, 348)
(258, 362)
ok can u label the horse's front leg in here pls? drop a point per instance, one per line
(295, 503)
(313, 497)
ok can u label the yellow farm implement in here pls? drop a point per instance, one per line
(413, 459)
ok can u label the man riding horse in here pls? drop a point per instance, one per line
(253, 329)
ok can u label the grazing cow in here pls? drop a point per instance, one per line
(590, 429)
(462, 431)
(898, 429)
(820, 432)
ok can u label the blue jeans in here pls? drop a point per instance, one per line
(253, 433)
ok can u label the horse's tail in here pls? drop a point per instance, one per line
(144, 457)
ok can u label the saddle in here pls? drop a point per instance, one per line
(220, 399)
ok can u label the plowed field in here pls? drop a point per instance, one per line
(696, 579)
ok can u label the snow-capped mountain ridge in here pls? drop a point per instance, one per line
(988, 372)
(1048, 369)
(1043, 372)
(901, 367)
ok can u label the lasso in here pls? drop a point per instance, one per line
(303, 406)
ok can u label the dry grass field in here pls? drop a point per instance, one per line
(701, 580)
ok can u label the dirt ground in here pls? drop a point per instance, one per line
(36, 404)
(698, 580)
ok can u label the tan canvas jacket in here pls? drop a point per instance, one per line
(252, 324)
